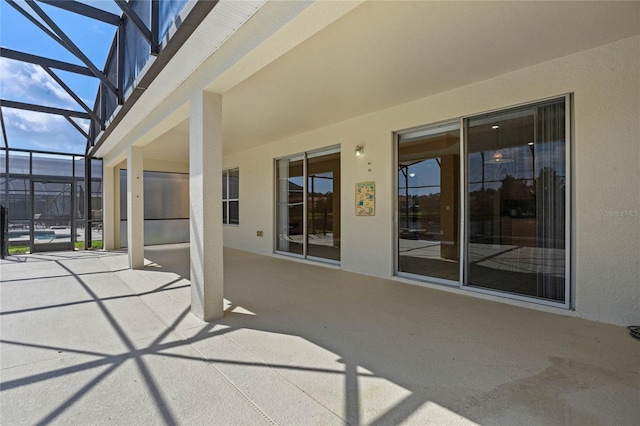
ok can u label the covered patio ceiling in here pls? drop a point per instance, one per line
(382, 54)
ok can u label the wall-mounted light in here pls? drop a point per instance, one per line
(359, 150)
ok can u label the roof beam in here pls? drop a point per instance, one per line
(155, 26)
(45, 109)
(84, 10)
(62, 38)
(77, 126)
(40, 60)
(137, 22)
(4, 130)
(34, 21)
(72, 94)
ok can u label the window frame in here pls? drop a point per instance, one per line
(304, 157)
(227, 200)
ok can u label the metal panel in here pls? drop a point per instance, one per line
(170, 231)
(137, 21)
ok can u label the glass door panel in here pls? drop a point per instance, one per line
(53, 211)
(80, 221)
(323, 206)
(428, 203)
(290, 205)
(516, 201)
(308, 205)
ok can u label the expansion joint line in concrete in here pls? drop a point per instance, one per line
(239, 391)
(226, 336)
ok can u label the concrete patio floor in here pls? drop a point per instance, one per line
(87, 341)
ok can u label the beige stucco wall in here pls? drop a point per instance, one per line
(605, 82)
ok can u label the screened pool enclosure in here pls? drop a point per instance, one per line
(53, 201)
(51, 182)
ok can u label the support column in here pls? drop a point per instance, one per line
(108, 208)
(88, 213)
(117, 214)
(205, 210)
(135, 207)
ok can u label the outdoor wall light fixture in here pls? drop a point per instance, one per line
(359, 150)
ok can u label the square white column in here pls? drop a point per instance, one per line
(108, 208)
(135, 207)
(205, 206)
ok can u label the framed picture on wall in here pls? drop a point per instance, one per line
(365, 199)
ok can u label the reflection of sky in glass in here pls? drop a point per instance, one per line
(322, 182)
(422, 178)
(298, 181)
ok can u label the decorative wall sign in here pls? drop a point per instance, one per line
(365, 199)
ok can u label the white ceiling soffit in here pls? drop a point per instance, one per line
(223, 21)
(171, 145)
(383, 54)
(380, 54)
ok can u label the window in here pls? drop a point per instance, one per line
(231, 197)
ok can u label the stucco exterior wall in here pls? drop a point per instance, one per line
(605, 82)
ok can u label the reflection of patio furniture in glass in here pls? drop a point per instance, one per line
(410, 234)
(37, 223)
(431, 232)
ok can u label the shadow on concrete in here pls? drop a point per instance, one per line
(467, 359)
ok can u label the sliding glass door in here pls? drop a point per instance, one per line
(428, 202)
(308, 205)
(499, 198)
(290, 205)
(516, 201)
(323, 206)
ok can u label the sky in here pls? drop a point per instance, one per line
(29, 83)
